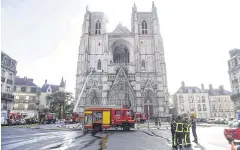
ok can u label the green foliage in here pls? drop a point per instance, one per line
(58, 101)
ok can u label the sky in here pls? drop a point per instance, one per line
(44, 36)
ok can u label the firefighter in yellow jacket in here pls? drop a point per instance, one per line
(178, 132)
(187, 125)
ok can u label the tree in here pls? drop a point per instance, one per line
(57, 102)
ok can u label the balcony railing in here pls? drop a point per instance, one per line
(7, 96)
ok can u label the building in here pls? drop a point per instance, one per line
(26, 100)
(234, 76)
(48, 89)
(8, 73)
(190, 99)
(130, 68)
(221, 104)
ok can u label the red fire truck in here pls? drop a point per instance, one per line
(142, 117)
(72, 117)
(97, 119)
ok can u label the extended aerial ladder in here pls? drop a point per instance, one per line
(80, 95)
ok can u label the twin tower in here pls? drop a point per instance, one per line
(130, 68)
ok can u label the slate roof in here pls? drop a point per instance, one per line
(193, 89)
(24, 81)
(53, 87)
(215, 92)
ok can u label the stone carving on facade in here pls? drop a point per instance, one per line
(149, 95)
(120, 29)
(121, 92)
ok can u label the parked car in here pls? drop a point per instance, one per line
(232, 132)
(23, 121)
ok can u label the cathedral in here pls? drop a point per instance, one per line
(129, 66)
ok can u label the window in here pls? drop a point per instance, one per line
(10, 76)
(117, 112)
(8, 89)
(204, 107)
(99, 65)
(48, 90)
(26, 106)
(203, 99)
(198, 99)
(182, 107)
(99, 44)
(23, 89)
(3, 73)
(143, 64)
(18, 89)
(213, 106)
(28, 89)
(17, 97)
(191, 107)
(144, 27)
(180, 98)
(199, 107)
(190, 98)
(98, 28)
(27, 97)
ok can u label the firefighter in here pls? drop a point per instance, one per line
(187, 125)
(173, 123)
(178, 132)
(194, 124)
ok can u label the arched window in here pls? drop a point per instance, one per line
(143, 64)
(98, 28)
(121, 55)
(144, 27)
(99, 65)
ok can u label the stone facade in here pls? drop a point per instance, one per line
(8, 74)
(49, 89)
(234, 76)
(205, 102)
(130, 68)
(26, 97)
(190, 99)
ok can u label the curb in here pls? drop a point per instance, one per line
(21, 126)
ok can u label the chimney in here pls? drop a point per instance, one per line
(221, 88)
(183, 85)
(210, 87)
(46, 81)
(202, 85)
(25, 78)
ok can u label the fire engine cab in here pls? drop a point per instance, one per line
(103, 118)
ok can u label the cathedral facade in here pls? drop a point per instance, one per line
(129, 66)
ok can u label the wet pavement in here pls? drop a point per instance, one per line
(32, 139)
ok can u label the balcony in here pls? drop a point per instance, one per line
(5, 96)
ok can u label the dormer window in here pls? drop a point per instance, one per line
(144, 27)
(98, 28)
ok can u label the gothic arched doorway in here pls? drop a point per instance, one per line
(148, 102)
(121, 95)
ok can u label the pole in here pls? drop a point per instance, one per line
(148, 118)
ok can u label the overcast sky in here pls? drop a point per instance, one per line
(44, 35)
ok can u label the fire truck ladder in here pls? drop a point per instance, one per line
(80, 95)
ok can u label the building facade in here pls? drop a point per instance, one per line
(190, 99)
(26, 97)
(234, 77)
(8, 73)
(130, 68)
(49, 89)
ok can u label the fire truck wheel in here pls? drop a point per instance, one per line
(97, 127)
(126, 127)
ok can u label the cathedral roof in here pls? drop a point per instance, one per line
(120, 29)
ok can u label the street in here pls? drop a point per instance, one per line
(210, 138)
(32, 139)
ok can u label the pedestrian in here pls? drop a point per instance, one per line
(187, 125)
(194, 125)
(178, 137)
(173, 123)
